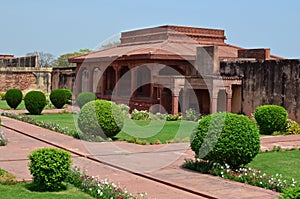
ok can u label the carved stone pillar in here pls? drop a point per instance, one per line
(214, 101)
(174, 104)
(228, 98)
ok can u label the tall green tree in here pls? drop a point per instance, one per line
(62, 60)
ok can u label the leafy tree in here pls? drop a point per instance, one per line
(62, 60)
(45, 59)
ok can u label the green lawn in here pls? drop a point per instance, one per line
(20, 191)
(157, 130)
(4, 106)
(286, 163)
(64, 120)
(144, 130)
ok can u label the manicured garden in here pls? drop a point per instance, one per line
(225, 144)
(160, 131)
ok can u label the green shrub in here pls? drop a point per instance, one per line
(49, 167)
(270, 118)
(191, 115)
(291, 193)
(292, 127)
(7, 178)
(140, 115)
(101, 118)
(125, 109)
(13, 97)
(226, 138)
(69, 94)
(58, 98)
(159, 116)
(35, 101)
(85, 97)
(171, 117)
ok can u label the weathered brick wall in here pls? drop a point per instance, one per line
(25, 78)
(268, 82)
(22, 81)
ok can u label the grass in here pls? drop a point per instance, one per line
(4, 106)
(283, 162)
(157, 130)
(20, 191)
(144, 130)
(64, 120)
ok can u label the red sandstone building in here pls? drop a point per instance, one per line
(176, 67)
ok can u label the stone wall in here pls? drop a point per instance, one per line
(268, 82)
(25, 78)
(63, 77)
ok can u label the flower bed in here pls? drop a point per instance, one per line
(47, 125)
(245, 175)
(99, 188)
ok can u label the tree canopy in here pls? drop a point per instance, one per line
(62, 60)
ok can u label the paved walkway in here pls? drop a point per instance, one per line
(153, 161)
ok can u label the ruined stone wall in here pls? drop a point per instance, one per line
(25, 78)
(268, 82)
(63, 77)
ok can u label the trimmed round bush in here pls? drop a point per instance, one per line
(271, 118)
(226, 138)
(35, 101)
(58, 98)
(85, 97)
(100, 118)
(68, 93)
(13, 97)
(49, 167)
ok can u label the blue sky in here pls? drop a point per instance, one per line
(61, 26)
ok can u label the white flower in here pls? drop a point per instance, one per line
(99, 192)
(260, 182)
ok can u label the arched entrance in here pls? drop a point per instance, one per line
(166, 100)
(109, 80)
(124, 84)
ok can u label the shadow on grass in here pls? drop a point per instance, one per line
(34, 187)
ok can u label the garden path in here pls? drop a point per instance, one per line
(135, 162)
